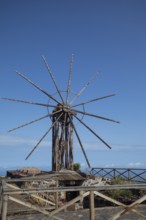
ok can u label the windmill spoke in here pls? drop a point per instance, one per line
(96, 116)
(79, 140)
(32, 83)
(93, 132)
(23, 125)
(52, 77)
(93, 100)
(28, 102)
(38, 119)
(85, 86)
(69, 80)
(43, 137)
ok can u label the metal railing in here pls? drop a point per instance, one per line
(137, 175)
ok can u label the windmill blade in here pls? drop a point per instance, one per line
(23, 125)
(36, 86)
(96, 116)
(28, 102)
(69, 80)
(93, 100)
(93, 132)
(38, 119)
(43, 137)
(79, 141)
(52, 77)
(85, 86)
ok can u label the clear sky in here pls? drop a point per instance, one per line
(108, 36)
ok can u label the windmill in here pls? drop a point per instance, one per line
(62, 116)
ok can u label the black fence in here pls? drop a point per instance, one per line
(138, 175)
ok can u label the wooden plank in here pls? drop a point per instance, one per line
(115, 202)
(121, 213)
(53, 144)
(130, 208)
(0, 197)
(29, 205)
(69, 203)
(109, 199)
(42, 199)
(75, 188)
(66, 145)
(71, 148)
(57, 147)
(32, 195)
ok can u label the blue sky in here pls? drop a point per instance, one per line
(105, 36)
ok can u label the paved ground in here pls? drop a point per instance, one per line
(100, 214)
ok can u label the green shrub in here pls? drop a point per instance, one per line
(125, 193)
(77, 167)
(120, 193)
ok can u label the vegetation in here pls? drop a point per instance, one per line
(120, 193)
(77, 167)
(119, 180)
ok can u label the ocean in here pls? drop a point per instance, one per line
(3, 172)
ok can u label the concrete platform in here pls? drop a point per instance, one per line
(100, 214)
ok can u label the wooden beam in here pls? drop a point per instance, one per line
(71, 148)
(109, 199)
(69, 203)
(42, 199)
(57, 164)
(131, 208)
(32, 195)
(53, 145)
(66, 144)
(0, 197)
(29, 205)
(92, 214)
(113, 200)
(75, 188)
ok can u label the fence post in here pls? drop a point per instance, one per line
(92, 216)
(0, 198)
(129, 177)
(4, 207)
(114, 173)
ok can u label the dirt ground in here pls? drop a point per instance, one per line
(100, 214)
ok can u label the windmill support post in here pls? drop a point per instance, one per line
(62, 143)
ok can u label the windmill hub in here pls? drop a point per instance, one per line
(66, 108)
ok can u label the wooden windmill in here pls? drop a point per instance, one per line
(62, 115)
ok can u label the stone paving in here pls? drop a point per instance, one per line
(100, 214)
